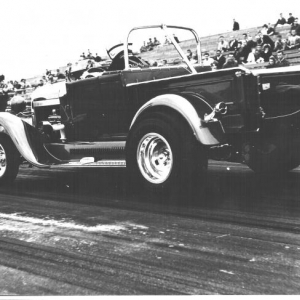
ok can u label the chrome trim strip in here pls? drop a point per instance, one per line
(99, 164)
(176, 77)
(47, 102)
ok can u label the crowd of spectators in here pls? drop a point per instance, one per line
(150, 45)
(14, 86)
(258, 49)
(89, 56)
(11, 86)
(246, 50)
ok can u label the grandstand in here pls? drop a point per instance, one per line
(208, 44)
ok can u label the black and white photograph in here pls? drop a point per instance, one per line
(149, 148)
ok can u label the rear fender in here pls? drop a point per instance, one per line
(192, 108)
(28, 141)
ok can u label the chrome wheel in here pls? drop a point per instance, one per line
(3, 162)
(154, 158)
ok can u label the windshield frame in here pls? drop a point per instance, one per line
(170, 36)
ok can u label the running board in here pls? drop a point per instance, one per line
(75, 151)
(95, 164)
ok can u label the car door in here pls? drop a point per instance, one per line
(95, 108)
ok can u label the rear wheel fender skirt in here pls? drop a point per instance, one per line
(183, 106)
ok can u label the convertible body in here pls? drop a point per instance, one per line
(163, 123)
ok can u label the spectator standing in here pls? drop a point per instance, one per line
(279, 43)
(291, 19)
(233, 43)
(281, 60)
(247, 44)
(222, 45)
(296, 26)
(236, 25)
(89, 55)
(264, 29)
(68, 72)
(83, 55)
(207, 61)
(281, 21)
(264, 39)
(270, 30)
(219, 59)
(293, 41)
(267, 29)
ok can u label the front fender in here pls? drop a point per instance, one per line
(207, 134)
(26, 138)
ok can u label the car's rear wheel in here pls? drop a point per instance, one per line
(271, 157)
(162, 156)
(9, 160)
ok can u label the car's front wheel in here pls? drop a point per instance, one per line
(163, 156)
(9, 160)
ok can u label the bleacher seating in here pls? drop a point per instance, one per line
(209, 44)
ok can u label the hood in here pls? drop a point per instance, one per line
(50, 91)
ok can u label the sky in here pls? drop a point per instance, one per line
(39, 34)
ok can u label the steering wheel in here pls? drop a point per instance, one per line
(118, 62)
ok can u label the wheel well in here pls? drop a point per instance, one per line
(168, 114)
(4, 134)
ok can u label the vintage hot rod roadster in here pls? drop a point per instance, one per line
(161, 123)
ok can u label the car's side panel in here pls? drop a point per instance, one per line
(103, 107)
(213, 87)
